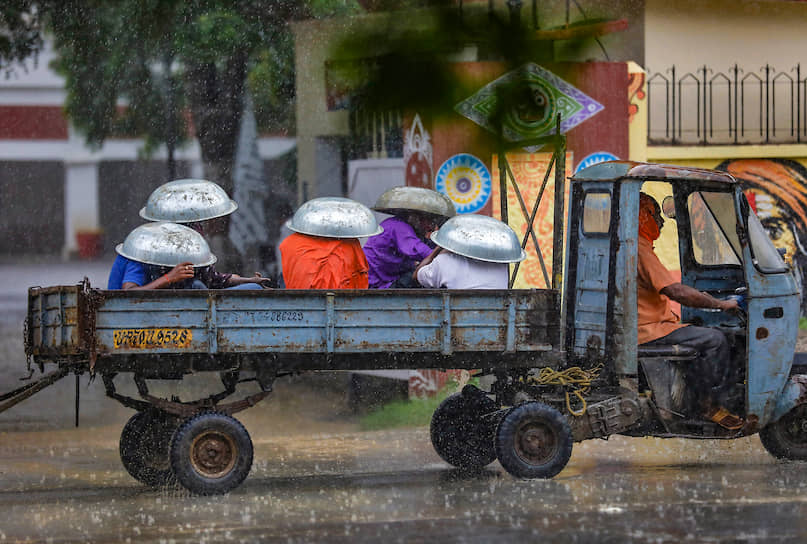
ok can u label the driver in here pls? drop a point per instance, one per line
(659, 326)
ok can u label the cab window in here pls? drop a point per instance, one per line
(596, 212)
(765, 255)
(713, 223)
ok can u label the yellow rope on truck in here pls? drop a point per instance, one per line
(570, 376)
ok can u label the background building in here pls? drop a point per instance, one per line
(61, 198)
(716, 84)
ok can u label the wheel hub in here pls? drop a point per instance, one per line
(213, 454)
(535, 443)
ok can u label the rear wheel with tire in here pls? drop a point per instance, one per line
(463, 427)
(211, 453)
(787, 437)
(144, 444)
(533, 441)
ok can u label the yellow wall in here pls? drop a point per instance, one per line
(719, 33)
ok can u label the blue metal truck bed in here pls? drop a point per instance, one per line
(183, 331)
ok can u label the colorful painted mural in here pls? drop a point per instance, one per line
(538, 97)
(417, 154)
(777, 190)
(466, 181)
(636, 93)
(529, 170)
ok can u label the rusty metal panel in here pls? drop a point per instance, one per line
(139, 322)
(771, 336)
(271, 322)
(53, 321)
(302, 322)
(297, 323)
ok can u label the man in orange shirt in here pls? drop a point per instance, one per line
(324, 252)
(659, 326)
(314, 262)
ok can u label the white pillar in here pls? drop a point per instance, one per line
(80, 201)
(197, 169)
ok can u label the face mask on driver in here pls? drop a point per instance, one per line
(648, 226)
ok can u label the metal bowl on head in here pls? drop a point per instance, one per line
(166, 244)
(334, 217)
(407, 199)
(187, 201)
(480, 237)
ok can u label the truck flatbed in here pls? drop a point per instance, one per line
(162, 333)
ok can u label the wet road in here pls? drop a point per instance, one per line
(317, 478)
(69, 486)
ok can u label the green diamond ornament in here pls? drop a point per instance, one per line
(533, 97)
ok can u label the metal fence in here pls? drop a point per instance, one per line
(739, 106)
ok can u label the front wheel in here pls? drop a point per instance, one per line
(144, 444)
(211, 453)
(462, 429)
(787, 437)
(533, 441)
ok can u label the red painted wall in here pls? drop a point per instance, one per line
(32, 123)
(605, 82)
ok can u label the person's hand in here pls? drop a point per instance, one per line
(731, 306)
(181, 272)
(258, 278)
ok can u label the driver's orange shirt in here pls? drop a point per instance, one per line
(313, 262)
(656, 318)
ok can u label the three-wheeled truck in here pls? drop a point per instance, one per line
(562, 363)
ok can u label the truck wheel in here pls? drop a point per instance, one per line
(211, 453)
(460, 433)
(144, 444)
(533, 441)
(787, 437)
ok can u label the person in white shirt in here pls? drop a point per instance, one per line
(473, 252)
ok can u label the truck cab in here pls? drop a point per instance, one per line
(721, 249)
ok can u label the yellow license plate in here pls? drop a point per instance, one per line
(151, 338)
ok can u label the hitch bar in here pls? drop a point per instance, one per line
(12, 398)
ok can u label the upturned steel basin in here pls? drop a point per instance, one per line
(187, 201)
(404, 199)
(334, 217)
(166, 244)
(480, 237)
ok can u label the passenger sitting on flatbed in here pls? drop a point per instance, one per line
(394, 254)
(200, 205)
(160, 256)
(659, 326)
(472, 253)
(324, 252)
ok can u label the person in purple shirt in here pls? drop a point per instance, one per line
(394, 254)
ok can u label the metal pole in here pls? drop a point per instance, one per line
(767, 104)
(736, 90)
(78, 395)
(557, 220)
(672, 102)
(798, 103)
(704, 103)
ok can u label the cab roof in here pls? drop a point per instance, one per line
(614, 170)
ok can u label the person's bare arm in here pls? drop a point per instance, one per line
(180, 272)
(235, 279)
(426, 261)
(689, 296)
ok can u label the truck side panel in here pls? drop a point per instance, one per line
(292, 323)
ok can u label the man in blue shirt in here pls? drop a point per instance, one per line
(129, 274)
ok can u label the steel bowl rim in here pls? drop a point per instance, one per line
(232, 205)
(436, 238)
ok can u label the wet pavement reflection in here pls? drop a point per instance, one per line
(350, 486)
(317, 478)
